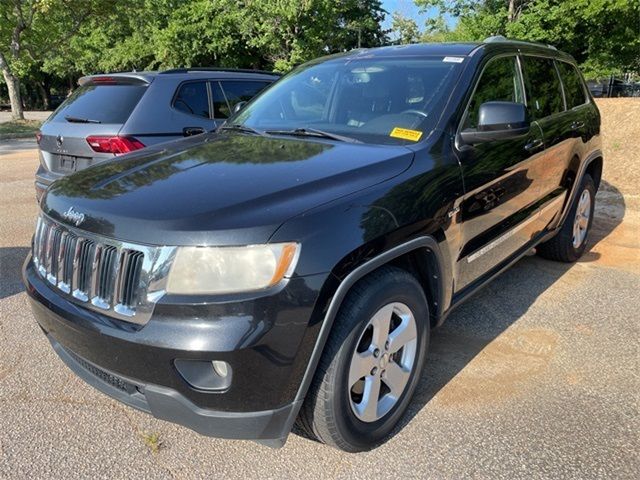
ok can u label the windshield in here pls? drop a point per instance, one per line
(374, 100)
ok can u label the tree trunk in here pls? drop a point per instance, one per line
(511, 16)
(45, 94)
(13, 86)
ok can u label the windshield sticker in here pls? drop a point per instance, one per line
(406, 134)
(453, 59)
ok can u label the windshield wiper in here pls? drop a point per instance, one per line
(313, 132)
(238, 127)
(69, 118)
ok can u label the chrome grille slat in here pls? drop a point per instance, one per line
(67, 274)
(48, 264)
(133, 275)
(37, 242)
(101, 274)
(121, 278)
(95, 271)
(104, 276)
(83, 271)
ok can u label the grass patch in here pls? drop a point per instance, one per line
(19, 128)
(152, 441)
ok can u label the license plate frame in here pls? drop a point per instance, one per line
(68, 163)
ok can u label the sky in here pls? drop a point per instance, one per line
(408, 9)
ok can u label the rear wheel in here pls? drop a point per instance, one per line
(371, 363)
(570, 242)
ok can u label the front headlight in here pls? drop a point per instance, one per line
(215, 270)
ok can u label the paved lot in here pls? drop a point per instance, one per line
(536, 377)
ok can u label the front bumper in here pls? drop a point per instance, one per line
(266, 341)
(270, 426)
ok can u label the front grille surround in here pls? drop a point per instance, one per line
(119, 279)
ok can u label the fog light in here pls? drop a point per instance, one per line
(205, 375)
(221, 368)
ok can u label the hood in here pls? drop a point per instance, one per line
(218, 189)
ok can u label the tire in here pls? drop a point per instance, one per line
(568, 245)
(335, 412)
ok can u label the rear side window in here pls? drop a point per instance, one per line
(220, 106)
(573, 89)
(227, 93)
(100, 103)
(500, 81)
(544, 92)
(192, 98)
(239, 91)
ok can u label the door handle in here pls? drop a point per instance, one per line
(534, 145)
(577, 125)
(189, 131)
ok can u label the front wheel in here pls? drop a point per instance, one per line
(571, 241)
(371, 364)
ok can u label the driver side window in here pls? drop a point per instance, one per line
(500, 81)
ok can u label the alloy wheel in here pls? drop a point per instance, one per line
(581, 221)
(382, 362)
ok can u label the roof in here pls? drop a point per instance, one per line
(419, 49)
(452, 49)
(180, 74)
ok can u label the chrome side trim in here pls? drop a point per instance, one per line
(510, 233)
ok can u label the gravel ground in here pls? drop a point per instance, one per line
(535, 377)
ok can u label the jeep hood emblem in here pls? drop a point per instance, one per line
(74, 217)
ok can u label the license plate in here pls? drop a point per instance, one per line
(67, 163)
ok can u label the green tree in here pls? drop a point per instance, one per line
(603, 35)
(405, 29)
(31, 30)
(151, 34)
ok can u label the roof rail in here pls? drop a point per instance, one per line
(495, 38)
(501, 38)
(217, 69)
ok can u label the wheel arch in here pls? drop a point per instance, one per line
(424, 248)
(592, 165)
(594, 168)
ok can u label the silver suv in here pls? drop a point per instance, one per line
(113, 114)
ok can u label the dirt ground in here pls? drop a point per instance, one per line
(617, 231)
(620, 134)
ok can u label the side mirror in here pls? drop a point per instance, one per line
(498, 121)
(239, 106)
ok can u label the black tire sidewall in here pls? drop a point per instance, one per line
(366, 435)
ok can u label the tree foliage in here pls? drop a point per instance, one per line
(45, 43)
(603, 35)
(149, 34)
(31, 30)
(69, 38)
(406, 29)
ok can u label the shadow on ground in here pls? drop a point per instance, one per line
(11, 260)
(478, 322)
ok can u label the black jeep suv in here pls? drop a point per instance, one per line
(290, 267)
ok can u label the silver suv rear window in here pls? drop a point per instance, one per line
(100, 103)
